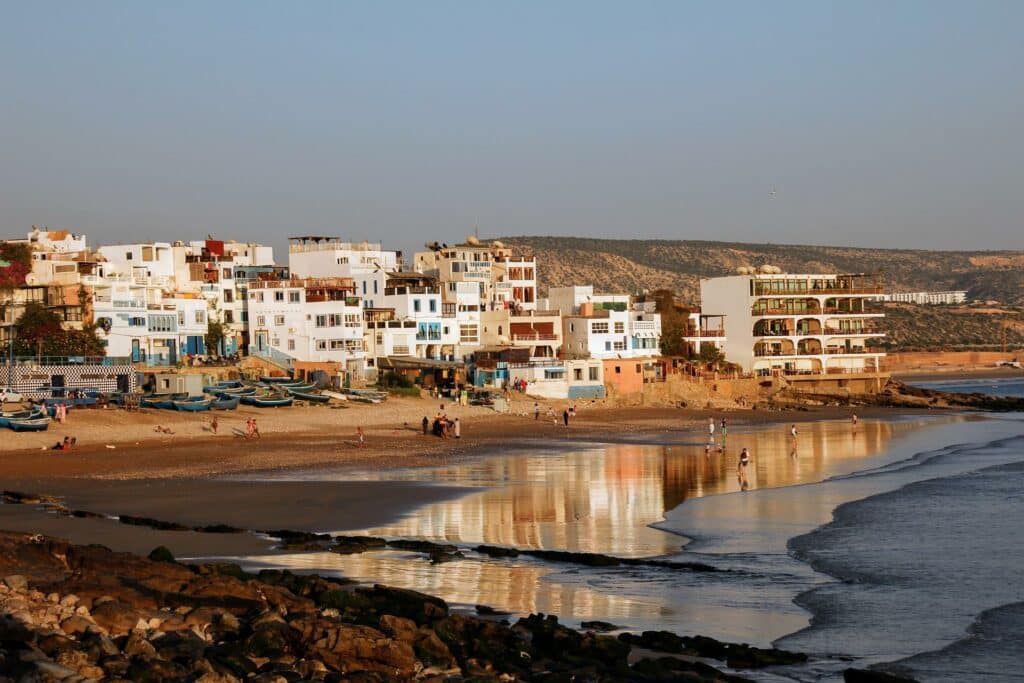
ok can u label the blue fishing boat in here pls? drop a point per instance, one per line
(276, 380)
(6, 417)
(298, 386)
(267, 401)
(193, 405)
(224, 403)
(162, 402)
(39, 424)
(312, 398)
(240, 391)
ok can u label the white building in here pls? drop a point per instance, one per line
(311, 319)
(605, 325)
(503, 278)
(797, 324)
(362, 262)
(927, 298)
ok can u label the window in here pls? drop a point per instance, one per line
(261, 321)
(161, 323)
(229, 296)
(336, 319)
(593, 374)
(291, 344)
(337, 344)
(245, 316)
(321, 321)
(433, 305)
(618, 370)
(226, 273)
(321, 344)
(468, 334)
(200, 317)
(607, 346)
(181, 317)
(620, 328)
(275, 342)
(128, 256)
(229, 317)
(619, 346)
(638, 369)
(415, 305)
(353, 320)
(380, 339)
(364, 287)
(136, 322)
(278, 296)
(294, 297)
(577, 374)
(599, 328)
(572, 327)
(279, 320)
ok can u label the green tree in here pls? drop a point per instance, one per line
(215, 334)
(39, 331)
(711, 355)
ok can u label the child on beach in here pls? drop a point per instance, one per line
(214, 425)
(360, 438)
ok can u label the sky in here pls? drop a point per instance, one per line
(869, 123)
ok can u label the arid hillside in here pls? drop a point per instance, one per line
(953, 328)
(634, 265)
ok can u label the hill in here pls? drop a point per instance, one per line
(635, 265)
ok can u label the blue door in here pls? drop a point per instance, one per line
(136, 351)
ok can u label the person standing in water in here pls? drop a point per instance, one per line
(741, 470)
(711, 430)
(853, 420)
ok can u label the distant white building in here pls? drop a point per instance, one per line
(503, 278)
(604, 325)
(927, 298)
(363, 262)
(792, 324)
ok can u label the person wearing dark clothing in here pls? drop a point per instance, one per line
(565, 417)
(426, 425)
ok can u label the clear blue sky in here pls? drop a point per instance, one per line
(876, 123)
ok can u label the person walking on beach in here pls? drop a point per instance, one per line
(565, 417)
(741, 470)
(725, 430)
(793, 433)
(536, 411)
(711, 430)
(214, 425)
(360, 438)
(853, 419)
(426, 424)
(457, 428)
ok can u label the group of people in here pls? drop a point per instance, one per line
(568, 413)
(443, 426)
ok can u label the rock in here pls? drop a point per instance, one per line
(54, 670)
(77, 624)
(16, 582)
(496, 551)
(348, 545)
(53, 644)
(870, 676)
(137, 646)
(116, 617)
(401, 602)
(673, 669)
(161, 554)
(399, 628)
(599, 626)
(216, 678)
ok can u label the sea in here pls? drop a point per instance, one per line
(892, 544)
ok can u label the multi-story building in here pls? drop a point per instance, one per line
(362, 262)
(604, 325)
(504, 279)
(314, 320)
(927, 298)
(798, 325)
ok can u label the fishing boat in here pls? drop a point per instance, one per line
(193, 405)
(162, 402)
(298, 386)
(366, 395)
(267, 401)
(276, 380)
(38, 424)
(312, 398)
(223, 403)
(240, 391)
(6, 417)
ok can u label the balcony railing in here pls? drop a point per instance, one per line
(396, 291)
(534, 337)
(72, 360)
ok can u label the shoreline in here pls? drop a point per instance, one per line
(953, 374)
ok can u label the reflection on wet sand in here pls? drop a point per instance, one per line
(514, 588)
(603, 499)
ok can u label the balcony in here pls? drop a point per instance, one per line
(534, 337)
(399, 291)
(644, 325)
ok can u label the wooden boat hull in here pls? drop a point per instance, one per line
(276, 380)
(225, 403)
(193, 406)
(296, 387)
(267, 402)
(40, 424)
(312, 398)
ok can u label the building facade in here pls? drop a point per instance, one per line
(790, 324)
